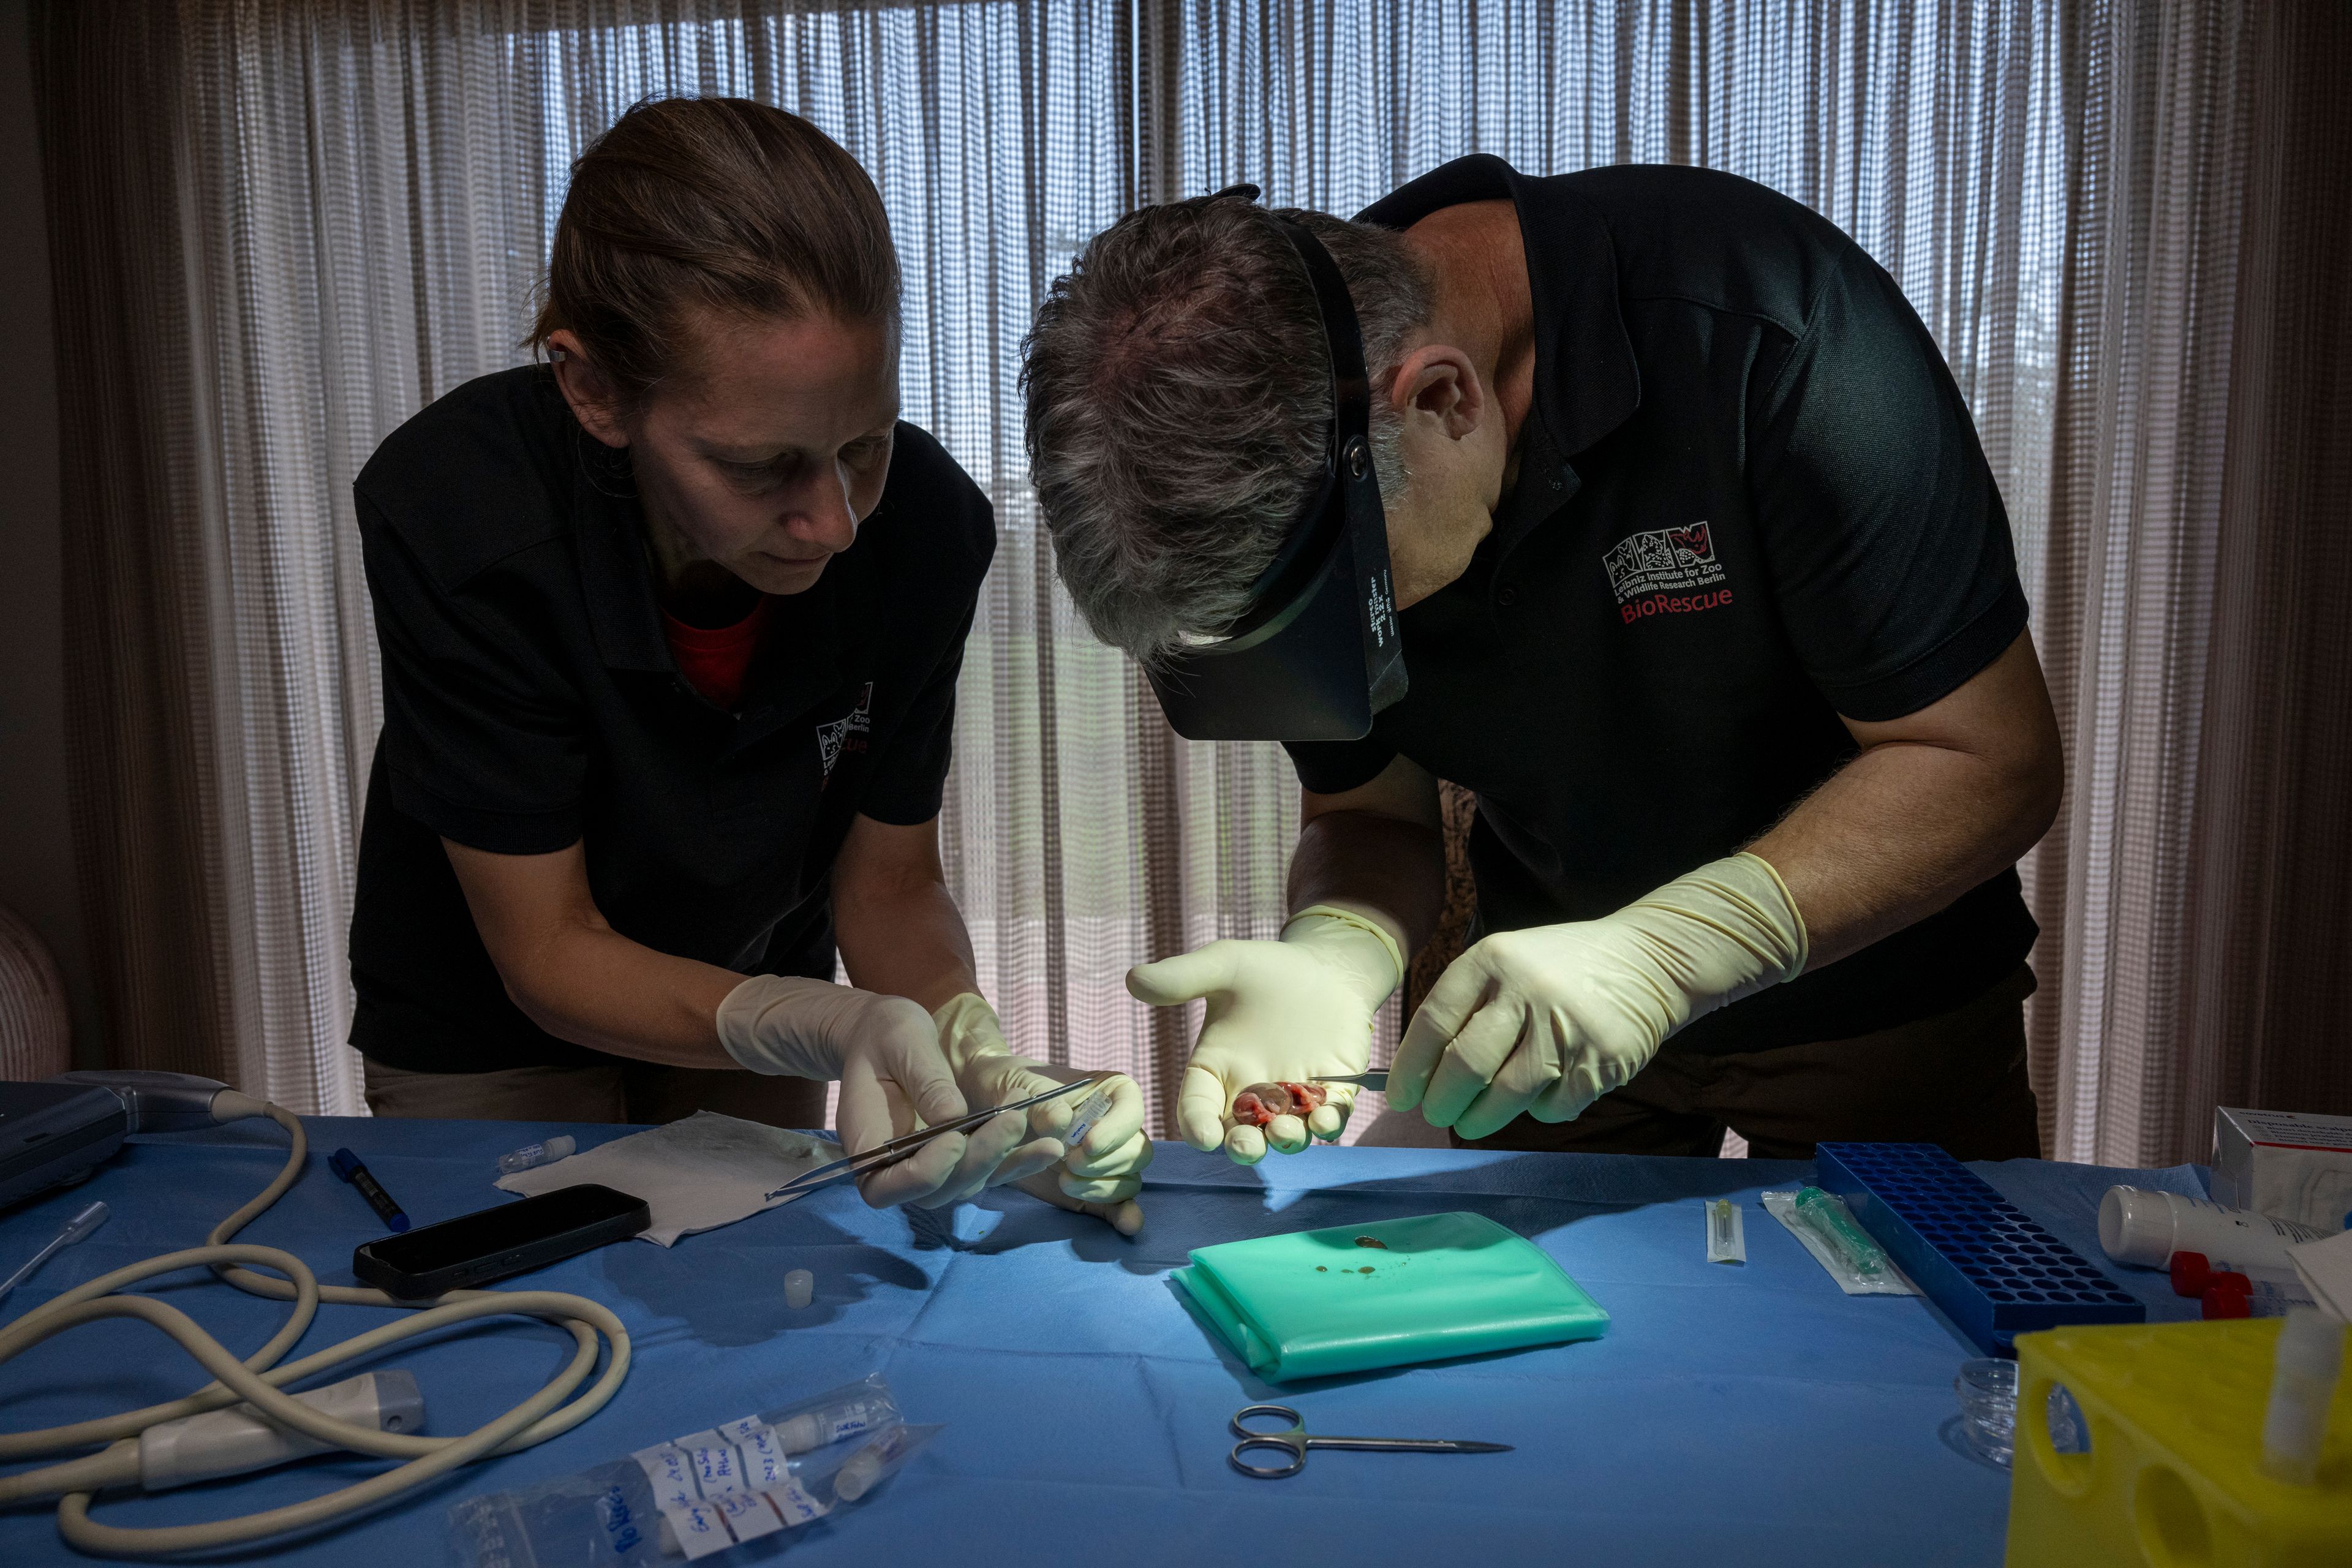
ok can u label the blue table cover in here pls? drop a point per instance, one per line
(1750, 1414)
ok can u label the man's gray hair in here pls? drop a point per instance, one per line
(1179, 397)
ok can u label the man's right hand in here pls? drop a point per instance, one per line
(885, 1051)
(1292, 1011)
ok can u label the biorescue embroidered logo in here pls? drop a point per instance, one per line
(848, 733)
(1651, 571)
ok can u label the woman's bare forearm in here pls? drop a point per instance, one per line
(575, 976)
(910, 943)
(899, 931)
(599, 989)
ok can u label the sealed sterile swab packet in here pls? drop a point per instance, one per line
(1727, 1232)
(1888, 1281)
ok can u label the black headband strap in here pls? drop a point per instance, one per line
(1347, 450)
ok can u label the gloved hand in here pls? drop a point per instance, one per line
(1279, 1012)
(1548, 1019)
(1100, 1177)
(885, 1054)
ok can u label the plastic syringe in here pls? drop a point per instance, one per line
(1827, 1215)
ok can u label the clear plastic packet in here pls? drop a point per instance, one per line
(701, 1493)
(1821, 1241)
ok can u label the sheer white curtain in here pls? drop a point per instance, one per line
(284, 227)
(356, 201)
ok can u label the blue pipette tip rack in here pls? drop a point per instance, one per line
(1994, 1271)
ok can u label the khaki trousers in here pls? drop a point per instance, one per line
(615, 1091)
(1958, 1080)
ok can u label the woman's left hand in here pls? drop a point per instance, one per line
(884, 1051)
(1100, 1176)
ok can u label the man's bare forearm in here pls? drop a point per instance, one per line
(1935, 805)
(1896, 835)
(1383, 867)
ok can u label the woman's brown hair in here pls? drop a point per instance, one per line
(720, 203)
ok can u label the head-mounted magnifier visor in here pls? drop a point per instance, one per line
(1317, 652)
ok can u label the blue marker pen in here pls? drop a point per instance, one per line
(347, 1165)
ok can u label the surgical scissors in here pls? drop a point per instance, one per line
(905, 1147)
(1295, 1440)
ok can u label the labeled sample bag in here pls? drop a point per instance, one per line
(1317, 1302)
(699, 1494)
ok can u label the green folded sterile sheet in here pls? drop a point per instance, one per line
(1317, 1302)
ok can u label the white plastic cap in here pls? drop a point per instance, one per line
(800, 1288)
(856, 1477)
(2136, 1227)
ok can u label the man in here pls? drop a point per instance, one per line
(1700, 582)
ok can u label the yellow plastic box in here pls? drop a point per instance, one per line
(2173, 1477)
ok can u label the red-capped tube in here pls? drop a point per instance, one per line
(2221, 1302)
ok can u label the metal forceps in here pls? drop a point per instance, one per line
(904, 1147)
(1295, 1440)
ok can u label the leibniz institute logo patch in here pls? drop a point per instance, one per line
(847, 732)
(1652, 573)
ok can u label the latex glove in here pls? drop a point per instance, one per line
(1102, 1175)
(885, 1054)
(1297, 1010)
(1548, 1019)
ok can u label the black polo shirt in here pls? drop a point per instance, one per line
(1749, 500)
(531, 702)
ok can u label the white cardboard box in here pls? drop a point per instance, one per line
(2289, 1164)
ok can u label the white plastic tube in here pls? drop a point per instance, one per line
(2147, 1228)
(2309, 1359)
(531, 1155)
(832, 1423)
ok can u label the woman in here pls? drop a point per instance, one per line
(670, 628)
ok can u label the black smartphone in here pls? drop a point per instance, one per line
(513, 1238)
